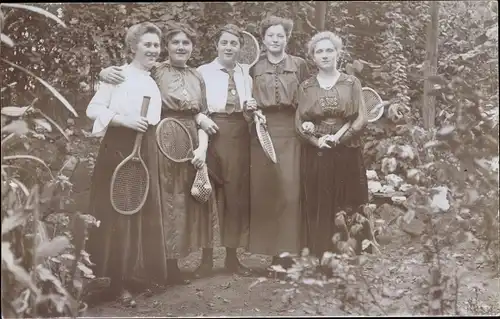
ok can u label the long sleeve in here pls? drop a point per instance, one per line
(302, 99)
(249, 89)
(359, 104)
(98, 109)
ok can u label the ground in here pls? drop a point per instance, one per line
(399, 265)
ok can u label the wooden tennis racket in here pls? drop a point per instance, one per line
(175, 143)
(249, 55)
(374, 104)
(130, 180)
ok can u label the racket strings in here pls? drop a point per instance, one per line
(130, 186)
(371, 100)
(266, 142)
(174, 141)
(249, 51)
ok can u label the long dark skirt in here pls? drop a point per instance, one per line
(175, 223)
(230, 154)
(275, 217)
(333, 180)
(116, 246)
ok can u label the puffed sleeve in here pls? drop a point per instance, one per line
(303, 71)
(359, 106)
(299, 120)
(98, 109)
(204, 103)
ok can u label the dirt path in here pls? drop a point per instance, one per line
(402, 271)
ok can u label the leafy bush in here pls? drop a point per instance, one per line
(44, 265)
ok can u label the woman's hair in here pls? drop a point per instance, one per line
(268, 22)
(234, 30)
(135, 32)
(324, 35)
(172, 29)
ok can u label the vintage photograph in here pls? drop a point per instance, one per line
(249, 159)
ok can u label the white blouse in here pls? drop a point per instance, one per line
(217, 81)
(125, 99)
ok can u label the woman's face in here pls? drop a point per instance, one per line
(179, 48)
(275, 39)
(147, 50)
(228, 47)
(325, 55)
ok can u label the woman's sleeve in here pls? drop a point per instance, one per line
(359, 105)
(204, 103)
(299, 120)
(98, 108)
(303, 71)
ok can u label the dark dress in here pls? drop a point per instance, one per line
(334, 184)
(115, 247)
(174, 219)
(274, 188)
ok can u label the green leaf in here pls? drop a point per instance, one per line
(11, 222)
(47, 85)
(29, 157)
(14, 111)
(18, 127)
(5, 39)
(43, 123)
(54, 123)
(52, 248)
(34, 9)
(19, 272)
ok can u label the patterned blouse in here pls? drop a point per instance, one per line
(182, 89)
(276, 85)
(329, 109)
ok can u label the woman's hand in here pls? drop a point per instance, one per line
(112, 75)
(308, 127)
(250, 105)
(333, 139)
(262, 117)
(137, 123)
(323, 141)
(207, 124)
(200, 156)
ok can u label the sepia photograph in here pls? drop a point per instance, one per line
(249, 159)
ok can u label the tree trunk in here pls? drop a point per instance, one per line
(429, 107)
(321, 7)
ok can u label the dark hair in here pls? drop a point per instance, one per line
(172, 29)
(135, 32)
(234, 30)
(268, 22)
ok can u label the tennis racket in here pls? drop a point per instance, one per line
(130, 180)
(374, 104)
(175, 143)
(249, 55)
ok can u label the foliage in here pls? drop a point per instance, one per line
(43, 274)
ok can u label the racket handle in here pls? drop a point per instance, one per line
(144, 112)
(145, 105)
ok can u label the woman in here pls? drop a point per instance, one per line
(228, 87)
(116, 246)
(183, 225)
(334, 186)
(274, 188)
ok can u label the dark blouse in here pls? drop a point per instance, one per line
(182, 89)
(276, 85)
(329, 109)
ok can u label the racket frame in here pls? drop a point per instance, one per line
(135, 155)
(183, 127)
(378, 110)
(258, 125)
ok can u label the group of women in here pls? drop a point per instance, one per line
(317, 187)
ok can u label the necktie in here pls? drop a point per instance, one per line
(231, 106)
